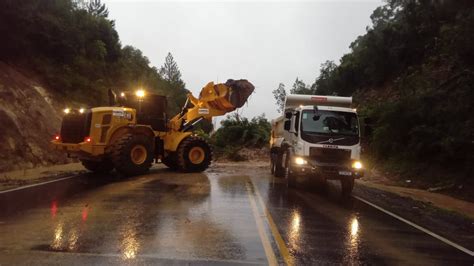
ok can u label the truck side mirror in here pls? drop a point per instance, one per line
(287, 125)
(288, 115)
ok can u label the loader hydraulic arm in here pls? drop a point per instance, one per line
(214, 100)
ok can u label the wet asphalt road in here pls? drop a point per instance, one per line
(230, 214)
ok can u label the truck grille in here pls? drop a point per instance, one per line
(327, 155)
(75, 127)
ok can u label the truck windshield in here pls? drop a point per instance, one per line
(329, 122)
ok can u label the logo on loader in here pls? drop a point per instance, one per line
(203, 111)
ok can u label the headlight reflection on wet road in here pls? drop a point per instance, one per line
(353, 240)
(73, 237)
(354, 228)
(58, 237)
(130, 244)
(295, 229)
(66, 234)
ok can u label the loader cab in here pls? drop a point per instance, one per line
(150, 108)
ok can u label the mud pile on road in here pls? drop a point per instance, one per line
(243, 154)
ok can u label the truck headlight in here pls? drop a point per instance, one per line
(67, 110)
(300, 161)
(357, 165)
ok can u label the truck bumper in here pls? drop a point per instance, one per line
(327, 170)
(82, 149)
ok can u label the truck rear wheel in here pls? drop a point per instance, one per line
(194, 155)
(347, 184)
(101, 167)
(279, 169)
(272, 166)
(132, 154)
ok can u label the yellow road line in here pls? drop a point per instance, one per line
(276, 235)
(261, 229)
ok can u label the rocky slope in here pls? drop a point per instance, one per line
(29, 118)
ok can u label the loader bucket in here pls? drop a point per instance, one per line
(240, 91)
(226, 97)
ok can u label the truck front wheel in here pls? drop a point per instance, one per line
(132, 154)
(347, 184)
(289, 174)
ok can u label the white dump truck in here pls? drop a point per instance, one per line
(317, 137)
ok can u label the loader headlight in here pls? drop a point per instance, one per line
(300, 161)
(140, 93)
(357, 165)
(81, 110)
(67, 110)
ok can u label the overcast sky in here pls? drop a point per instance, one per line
(264, 42)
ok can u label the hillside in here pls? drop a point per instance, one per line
(29, 117)
(65, 53)
(411, 74)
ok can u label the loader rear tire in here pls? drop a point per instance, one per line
(101, 167)
(194, 155)
(132, 154)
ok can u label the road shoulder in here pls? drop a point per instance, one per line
(449, 217)
(20, 178)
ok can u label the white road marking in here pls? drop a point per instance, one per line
(446, 241)
(38, 184)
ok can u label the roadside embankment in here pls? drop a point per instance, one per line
(29, 118)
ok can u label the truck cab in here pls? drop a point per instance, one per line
(317, 137)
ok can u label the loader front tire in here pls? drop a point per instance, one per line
(132, 154)
(100, 167)
(194, 155)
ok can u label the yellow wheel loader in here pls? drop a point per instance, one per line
(134, 130)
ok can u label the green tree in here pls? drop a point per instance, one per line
(243, 132)
(96, 8)
(175, 86)
(170, 70)
(280, 95)
(411, 72)
(299, 87)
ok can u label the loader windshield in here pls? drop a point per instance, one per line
(329, 123)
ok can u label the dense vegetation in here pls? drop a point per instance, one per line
(238, 132)
(412, 74)
(74, 47)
